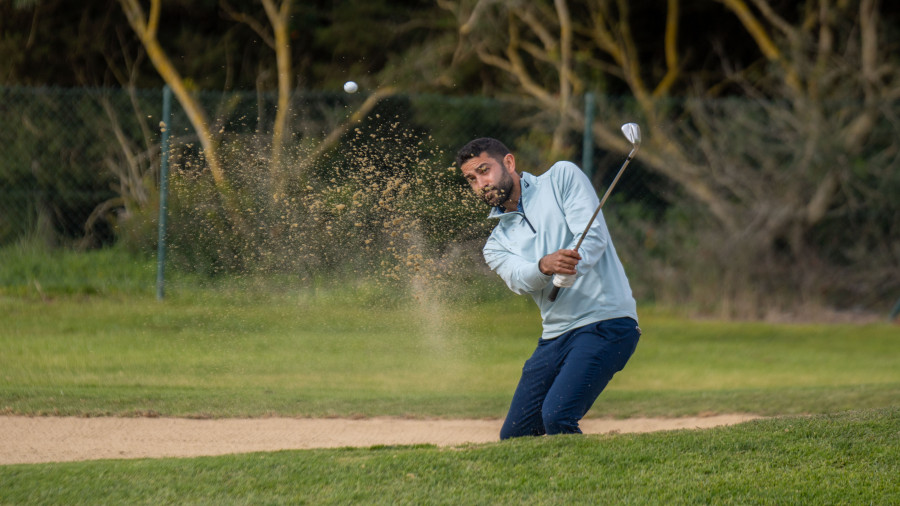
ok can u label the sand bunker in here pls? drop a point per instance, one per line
(62, 439)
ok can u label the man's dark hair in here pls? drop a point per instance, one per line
(494, 148)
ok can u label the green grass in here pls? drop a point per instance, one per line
(846, 458)
(84, 335)
(204, 354)
(31, 270)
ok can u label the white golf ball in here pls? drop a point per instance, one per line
(350, 87)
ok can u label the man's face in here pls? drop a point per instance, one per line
(491, 179)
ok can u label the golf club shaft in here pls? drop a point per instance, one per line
(555, 292)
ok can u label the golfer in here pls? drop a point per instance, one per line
(590, 330)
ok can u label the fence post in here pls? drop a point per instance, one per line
(895, 312)
(163, 191)
(587, 149)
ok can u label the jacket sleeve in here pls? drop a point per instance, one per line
(579, 201)
(522, 276)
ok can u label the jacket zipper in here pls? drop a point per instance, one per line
(521, 208)
(529, 223)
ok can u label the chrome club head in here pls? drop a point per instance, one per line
(633, 133)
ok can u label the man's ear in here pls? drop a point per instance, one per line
(509, 162)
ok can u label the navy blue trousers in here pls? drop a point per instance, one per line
(566, 374)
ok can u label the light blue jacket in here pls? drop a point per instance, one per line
(553, 211)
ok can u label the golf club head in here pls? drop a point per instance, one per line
(633, 133)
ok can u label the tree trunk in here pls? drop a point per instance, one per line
(279, 19)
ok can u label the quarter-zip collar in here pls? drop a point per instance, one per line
(526, 182)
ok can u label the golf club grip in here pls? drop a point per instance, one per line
(553, 294)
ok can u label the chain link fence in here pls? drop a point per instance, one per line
(79, 168)
(70, 157)
(56, 146)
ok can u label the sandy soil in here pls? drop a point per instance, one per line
(49, 439)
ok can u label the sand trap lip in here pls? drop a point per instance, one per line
(65, 439)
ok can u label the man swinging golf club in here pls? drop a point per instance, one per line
(550, 238)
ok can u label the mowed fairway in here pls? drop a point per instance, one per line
(216, 356)
(212, 355)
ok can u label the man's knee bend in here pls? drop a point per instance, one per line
(507, 432)
(556, 422)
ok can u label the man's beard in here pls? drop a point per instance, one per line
(496, 196)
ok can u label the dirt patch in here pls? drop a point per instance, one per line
(50, 439)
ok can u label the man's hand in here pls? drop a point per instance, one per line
(559, 262)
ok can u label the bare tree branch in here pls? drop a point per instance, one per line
(335, 134)
(146, 32)
(671, 50)
(773, 18)
(250, 21)
(480, 5)
(763, 40)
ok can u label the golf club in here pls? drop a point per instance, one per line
(633, 133)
